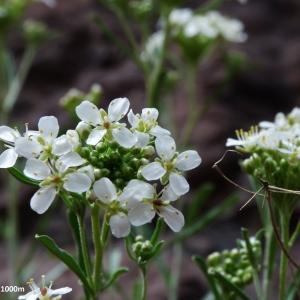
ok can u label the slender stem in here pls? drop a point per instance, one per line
(98, 247)
(284, 260)
(144, 281)
(17, 83)
(85, 250)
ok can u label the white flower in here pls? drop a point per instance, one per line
(145, 211)
(248, 140)
(153, 47)
(280, 123)
(146, 124)
(179, 17)
(44, 141)
(117, 204)
(106, 124)
(200, 25)
(73, 137)
(44, 293)
(171, 164)
(56, 177)
(9, 157)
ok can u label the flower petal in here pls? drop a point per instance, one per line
(165, 147)
(124, 137)
(71, 159)
(105, 190)
(169, 195)
(48, 128)
(130, 198)
(96, 136)
(141, 214)
(43, 198)
(147, 189)
(173, 217)
(120, 225)
(187, 160)
(77, 182)
(8, 134)
(36, 169)
(29, 296)
(61, 145)
(159, 131)
(61, 291)
(153, 171)
(28, 147)
(142, 139)
(8, 158)
(89, 171)
(133, 119)
(149, 114)
(117, 109)
(89, 113)
(178, 184)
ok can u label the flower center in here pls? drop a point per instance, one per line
(158, 202)
(106, 125)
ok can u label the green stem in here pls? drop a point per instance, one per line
(85, 250)
(174, 279)
(284, 260)
(17, 83)
(144, 281)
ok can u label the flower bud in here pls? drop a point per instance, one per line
(143, 162)
(213, 259)
(36, 33)
(148, 152)
(101, 147)
(83, 130)
(135, 151)
(120, 183)
(270, 165)
(84, 152)
(133, 163)
(234, 254)
(127, 172)
(95, 93)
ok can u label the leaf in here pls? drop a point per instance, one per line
(229, 285)
(21, 177)
(156, 248)
(202, 265)
(66, 258)
(113, 278)
(157, 231)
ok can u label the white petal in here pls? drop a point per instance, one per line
(149, 114)
(120, 225)
(147, 189)
(187, 160)
(77, 182)
(29, 294)
(8, 134)
(168, 194)
(142, 139)
(96, 136)
(124, 137)
(8, 158)
(141, 214)
(61, 291)
(105, 190)
(36, 169)
(28, 147)
(71, 159)
(130, 197)
(232, 142)
(73, 137)
(179, 184)
(133, 119)
(165, 147)
(153, 171)
(117, 109)
(43, 198)
(89, 171)
(48, 128)
(32, 297)
(173, 217)
(159, 131)
(61, 145)
(89, 113)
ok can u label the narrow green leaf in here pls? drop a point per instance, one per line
(128, 242)
(260, 233)
(21, 177)
(202, 193)
(113, 278)
(231, 286)
(66, 258)
(156, 248)
(292, 289)
(202, 265)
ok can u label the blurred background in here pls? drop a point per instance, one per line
(81, 55)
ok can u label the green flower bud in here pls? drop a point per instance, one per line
(94, 153)
(236, 281)
(105, 172)
(90, 196)
(123, 151)
(270, 165)
(116, 174)
(127, 172)
(83, 130)
(93, 160)
(113, 145)
(133, 163)
(234, 254)
(284, 165)
(247, 278)
(139, 238)
(101, 147)
(97, 174)
(225, 254)
(147, 152)
(136, 151)
(95, 93)
(143, 162)
(229, 266)
(248, 166)
(120, 183)
(114, 158)
(213, 259)
(36, 33)
(139, 175)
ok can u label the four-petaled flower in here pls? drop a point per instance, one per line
(169, 166)
(44, 293)
(106, 124)
(56, 177)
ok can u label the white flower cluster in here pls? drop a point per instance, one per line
(282, 135)
(107, 161)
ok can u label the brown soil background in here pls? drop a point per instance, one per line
(82, 55)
